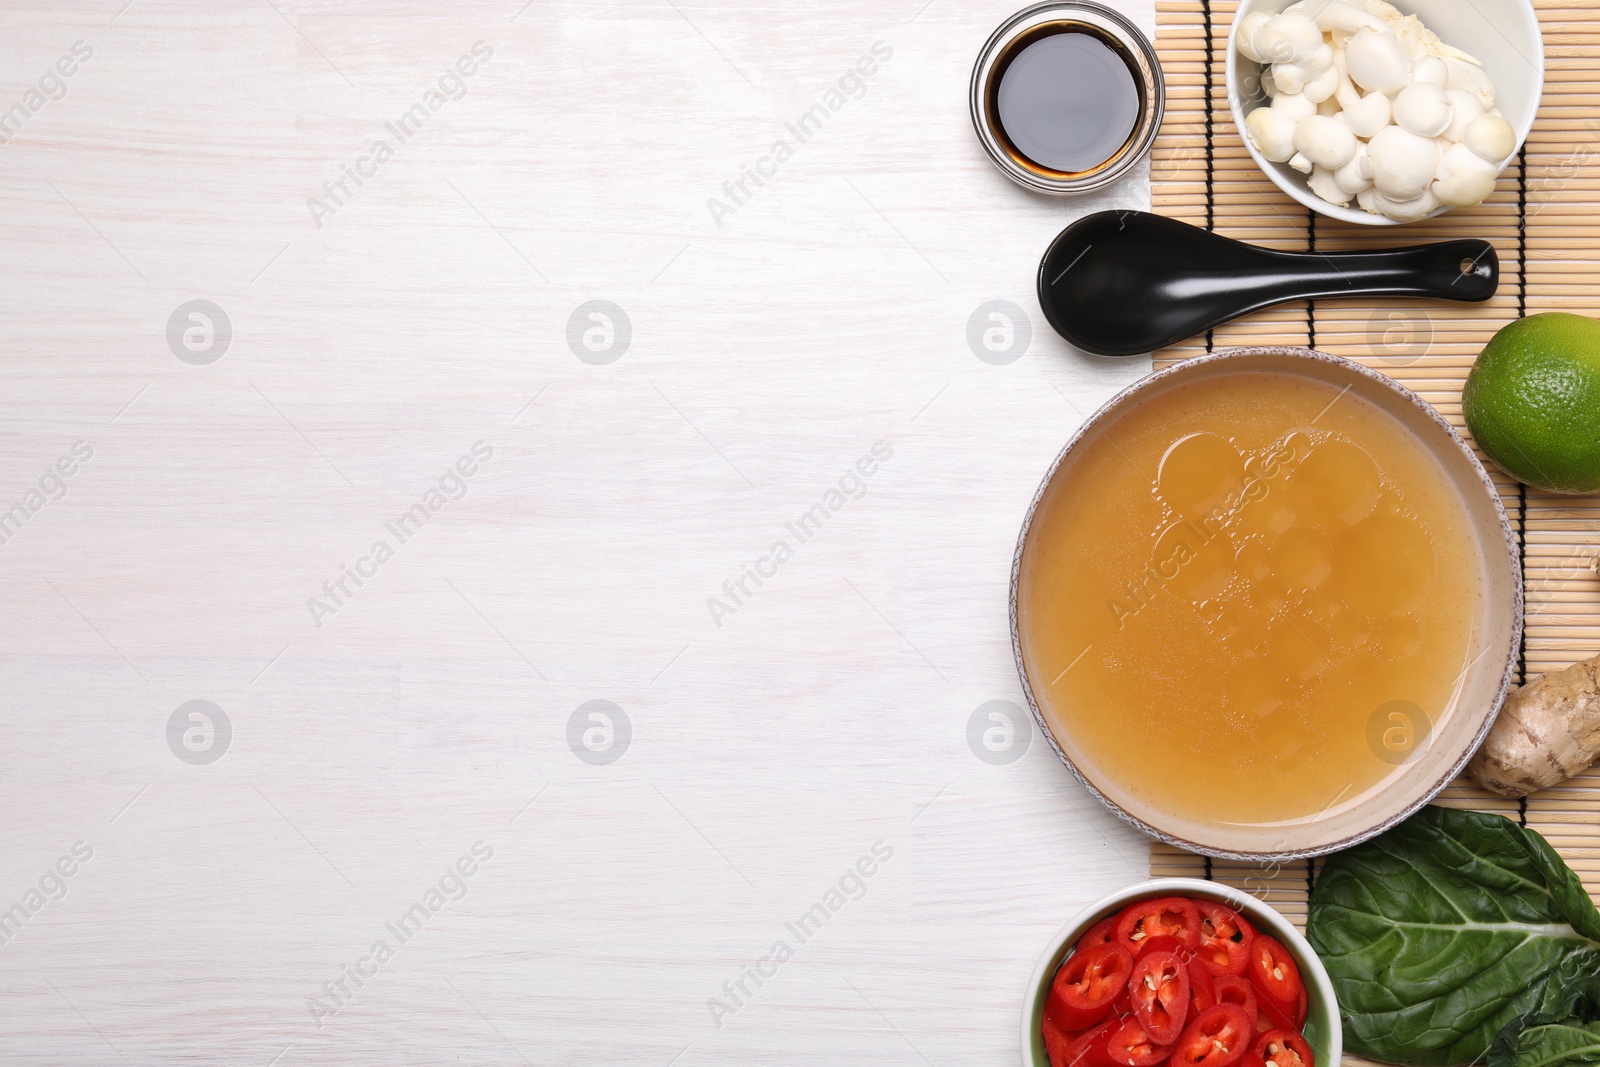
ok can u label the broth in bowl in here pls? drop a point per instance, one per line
(1249, 602)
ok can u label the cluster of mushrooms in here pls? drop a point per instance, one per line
(1374, 107)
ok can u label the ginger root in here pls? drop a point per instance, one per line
(1547, 732)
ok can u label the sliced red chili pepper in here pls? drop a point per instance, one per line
(1165, 915)
(1099, 933)
(1220, 1036)
(1201, 987)
(1086, 984)
(1162, 943)
(1271, 1017)
(1301, 1009)
(1122, 1007)
(1132, 1045)
(1233, 989)
(1279, 990)
(1250, 1059)
(1224, 957)
(1225, 938)
(1056, 1041)
(1160, 992)
(1088, 1049)
(1284, 1048)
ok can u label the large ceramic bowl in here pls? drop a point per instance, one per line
(1321, 1031)
(1501, 34)
(1491, 655)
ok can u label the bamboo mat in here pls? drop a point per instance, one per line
(1544, 221)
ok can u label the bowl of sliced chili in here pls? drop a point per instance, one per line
(1178, 972)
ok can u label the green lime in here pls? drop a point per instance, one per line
(1532, 402)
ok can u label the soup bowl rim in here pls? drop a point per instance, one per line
(1112, 409)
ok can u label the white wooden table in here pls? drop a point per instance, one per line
(371, 741)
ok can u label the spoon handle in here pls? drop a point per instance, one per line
(1466, 270)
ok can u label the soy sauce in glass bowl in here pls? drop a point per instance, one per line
(1066, 96)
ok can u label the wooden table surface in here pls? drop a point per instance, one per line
(457, 502)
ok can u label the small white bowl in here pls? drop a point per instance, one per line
(1501, 34)
(1322, 1029)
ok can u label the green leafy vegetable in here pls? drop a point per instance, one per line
(1568, 1043)
(1570, 1037)
(1441, 931)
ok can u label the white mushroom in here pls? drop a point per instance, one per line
(1286, 38)
(1491, 136)
(1272, 132)
(1377, 62)
(1464, 177)
(1246, 32)
(1319, 60)
(1423, 109)
(1326, 142)
(1430, 70)
(1288, 77)
(1294, 105)
(1365, 115)
(1379, 8)
(1370, 104)
(1326, 185)
(1368, 116)
(1415, 38)
(1346, 18)
(1464, 107)
(1355, 175)
(1292, 76)
(1323, 86)
(1446, 51)
(1402, 163)
(1471, 77)
(1347, 93)
(1400, 210)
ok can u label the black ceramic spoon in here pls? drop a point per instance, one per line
(1121, 283)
